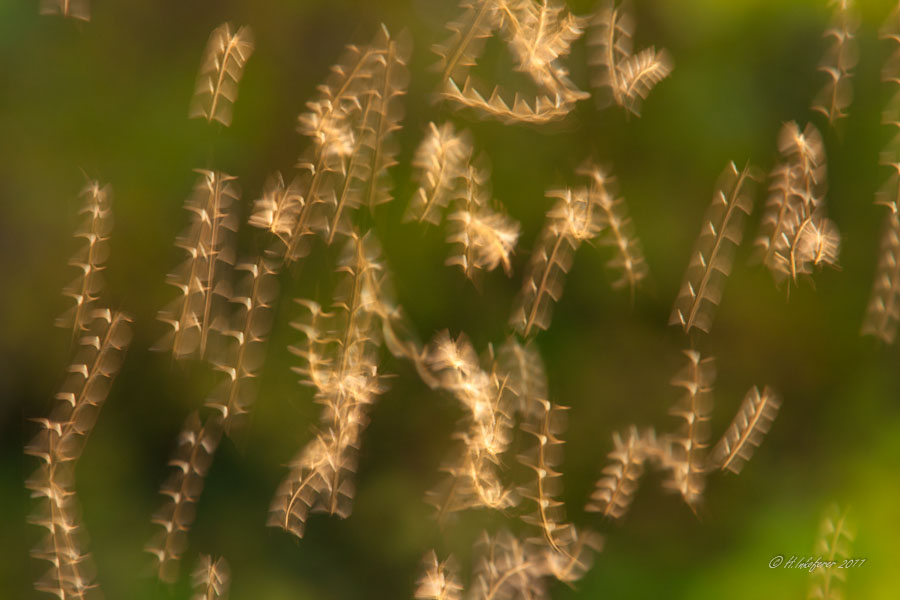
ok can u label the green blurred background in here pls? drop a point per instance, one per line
(109, 99)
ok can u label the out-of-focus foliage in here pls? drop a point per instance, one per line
(109, 98)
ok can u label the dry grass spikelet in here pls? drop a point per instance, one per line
(833, 545)
(577, 557)
(72, 571)
(391, 80)
(620, 76)
(221, 69)
(713, 255)
(193, 456)
(60, 443)
(340, 356)
(91, 258)
(567, 551)
(303, 206)
(890, 74)
(98, 357)
(359, 175)
(473, 480)
(507, 569)
(549, 513)
(538, 36)
(747, 430)
(883, 310)
(686, 450)
(795, 235)
(396, 330)
(440, 580)
(279, 208)
(442, 162)
(352, 122)
(72, 9)
(523, 368)
(102, 338)
(573, 219)
(203, 279)
(331, 115)
(518, 109)
(467, 36)
(483, 393)
(321, 476)
(627, 261)
(211, 578)
(244, 333)
(347, 180)
(614, 491)
(483, 236)
(840, 58)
